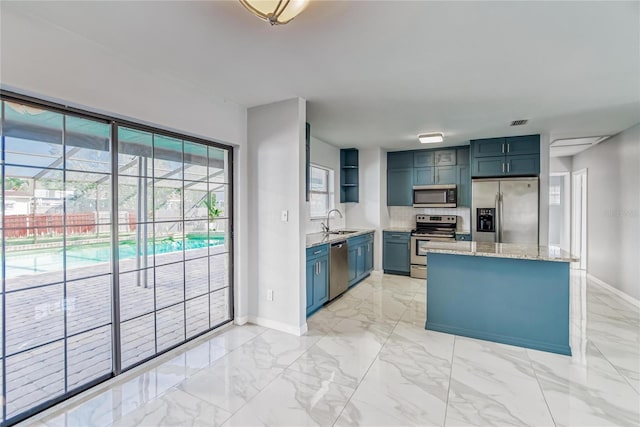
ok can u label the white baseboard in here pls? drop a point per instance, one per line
(613, 290)
(241, 320)
(279, 326)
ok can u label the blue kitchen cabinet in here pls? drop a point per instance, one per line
(488, 147)
(396, 252)
(352, 261)
(463, 183)
(423, 176)
(400, 187)
(527, 164)
(400, 160)
(360, 257)
(527, 144)
(423, 158)
(445, 157)
(317, 277)
(462, 156)
(445, 175)
(488, 166)
(512, 156)
(368, 257)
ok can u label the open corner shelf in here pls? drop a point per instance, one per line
(349, 180)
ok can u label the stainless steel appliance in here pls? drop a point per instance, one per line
(338, 269)
(505, 210)
(435, 196)
(430, 230)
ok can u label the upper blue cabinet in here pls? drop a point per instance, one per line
(400, 178)
(528, 144)
(509, 156)
(400, 160)
(426, 167)
(423, 159)
(488, 147)
(445, 157)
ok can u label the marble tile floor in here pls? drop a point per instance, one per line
(367, 360)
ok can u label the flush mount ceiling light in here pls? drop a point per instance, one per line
(276, 12)
(431, 138)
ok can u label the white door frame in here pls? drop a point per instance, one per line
(566, 209)
(579, 217)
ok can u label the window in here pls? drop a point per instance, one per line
(322, 200)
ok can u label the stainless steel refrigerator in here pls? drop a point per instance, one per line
(505, 210)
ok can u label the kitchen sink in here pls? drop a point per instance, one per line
(342, 232)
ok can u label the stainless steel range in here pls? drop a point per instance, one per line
(430, 230)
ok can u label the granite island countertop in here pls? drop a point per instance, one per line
(315, 239)
(503, 250)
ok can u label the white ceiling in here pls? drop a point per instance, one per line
(378, 73)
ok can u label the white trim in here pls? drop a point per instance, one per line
(279, 326)
(241, 320)
(613, 290)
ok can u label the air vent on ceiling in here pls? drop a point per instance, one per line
(519, 122)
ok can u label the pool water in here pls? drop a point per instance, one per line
(23, 263)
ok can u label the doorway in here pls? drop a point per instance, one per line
(560, 210)
(579, 218)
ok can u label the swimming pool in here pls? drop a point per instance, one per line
(22, 263)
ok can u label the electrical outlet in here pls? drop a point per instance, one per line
(284, 216)
(270, 295)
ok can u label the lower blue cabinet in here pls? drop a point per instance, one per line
(317, 277)
(396, 254)
(360, 257)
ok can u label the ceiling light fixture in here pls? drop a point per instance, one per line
(431, 138)
(276, 12)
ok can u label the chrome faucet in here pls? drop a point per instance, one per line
(325, 228)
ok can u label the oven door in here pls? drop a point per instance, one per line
(419, 250)
(419, 246)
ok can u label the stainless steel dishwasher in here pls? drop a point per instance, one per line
(338, 269)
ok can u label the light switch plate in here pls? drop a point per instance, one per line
(284, 216)
(270, 295)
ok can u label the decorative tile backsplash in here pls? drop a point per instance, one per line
(405, 216)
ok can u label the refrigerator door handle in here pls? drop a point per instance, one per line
(497, 219)
(501, 212)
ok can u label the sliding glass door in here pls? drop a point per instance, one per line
(116, 243)
(173, 237)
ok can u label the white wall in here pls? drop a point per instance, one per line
(370, 212)
(560, 164)
(276, 181)
(47, 62)
(613, 210)
(328, 156)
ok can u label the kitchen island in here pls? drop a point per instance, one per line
(507, 293)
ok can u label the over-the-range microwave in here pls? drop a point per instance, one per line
(435, 196)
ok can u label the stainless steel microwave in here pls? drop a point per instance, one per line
(435, 196)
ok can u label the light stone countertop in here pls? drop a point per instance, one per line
(398, 230)
(503, 250)
(315, 239)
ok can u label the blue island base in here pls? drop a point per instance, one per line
(510, 301)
